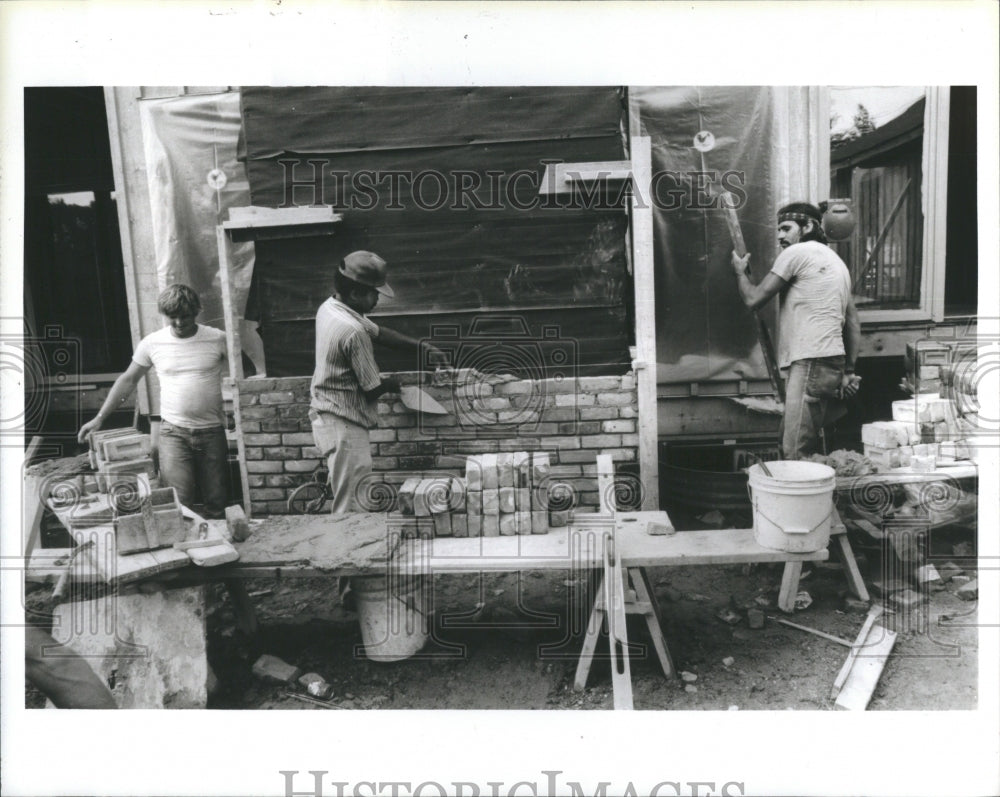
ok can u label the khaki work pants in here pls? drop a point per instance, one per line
(348, 456)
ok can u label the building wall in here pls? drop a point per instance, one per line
(573, 419)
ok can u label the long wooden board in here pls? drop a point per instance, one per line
(728, 203)
(867, 669)
(115, 569)
(575, 547)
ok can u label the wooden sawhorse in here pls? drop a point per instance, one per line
(639, 549)
(839, 541)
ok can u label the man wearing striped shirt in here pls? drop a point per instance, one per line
(346, 381)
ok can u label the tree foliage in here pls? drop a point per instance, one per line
(861, 125)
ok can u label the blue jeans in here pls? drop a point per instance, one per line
(195, 462)
(811, 403)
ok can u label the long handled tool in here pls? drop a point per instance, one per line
(60, 588)
(728, 203)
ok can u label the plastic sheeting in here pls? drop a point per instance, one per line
(194, 178)
(702, 138)
(442, 182)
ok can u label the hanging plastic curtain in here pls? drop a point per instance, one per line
(706, 139)
(194, 178)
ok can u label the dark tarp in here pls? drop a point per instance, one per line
(704, 332)
(443, 183)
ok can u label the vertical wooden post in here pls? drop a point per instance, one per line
(235, 349)
(645, 319)
(606, 484)
(122, 134)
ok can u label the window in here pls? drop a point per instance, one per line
(889, 155)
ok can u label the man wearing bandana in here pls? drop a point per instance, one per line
(819, 329)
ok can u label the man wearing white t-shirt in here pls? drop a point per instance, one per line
(189, 360)
(820, 332)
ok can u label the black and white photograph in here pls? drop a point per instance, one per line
(418, 366)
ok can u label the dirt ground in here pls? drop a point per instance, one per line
(501, 641)
(510, 641)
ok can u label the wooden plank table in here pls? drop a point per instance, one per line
(364, 544)
(578, 547)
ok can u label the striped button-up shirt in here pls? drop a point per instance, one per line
(345, 364)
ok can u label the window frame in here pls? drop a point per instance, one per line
(933, 203)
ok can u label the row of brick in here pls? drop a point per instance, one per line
(499, 385)
(288, 459)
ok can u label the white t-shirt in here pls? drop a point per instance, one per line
(190, 374)
(812, 307)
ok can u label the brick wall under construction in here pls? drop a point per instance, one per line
(573, 420)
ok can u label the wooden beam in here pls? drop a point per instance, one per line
(867, 669)
(123, 132)
(235, 350)
(606, 483)
(645, 319)
(856, 648)
(33, 508)
(560, 178)
(253, 217)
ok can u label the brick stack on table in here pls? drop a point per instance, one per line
(931, 364)
(501, 495)
(125, 492)
(925, 433)
(122, 461)
(118, 454)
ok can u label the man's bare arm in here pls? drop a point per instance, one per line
(852, 333)
(852, 345)
(755, 296)
(398, 340)
(120, 390)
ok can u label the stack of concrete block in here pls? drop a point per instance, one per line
(432, 508)
(933, 365)
(119, 455)
(507, 492)
(934, 418)
(889, 444)
(896, 444)
(502, 494)
(923, 361)
(159, 523)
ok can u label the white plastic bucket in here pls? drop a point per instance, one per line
(792, 508)
(394, 615)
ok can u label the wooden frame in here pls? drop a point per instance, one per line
(934, 190)
(250, 223)
(562, 177)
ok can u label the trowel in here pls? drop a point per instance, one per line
(414, 398)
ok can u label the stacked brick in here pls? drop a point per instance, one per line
(279, 451)
(119, 455)
(924, 434)
(145, 516)
(572, 420)
(501, 495)
(931, 364)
